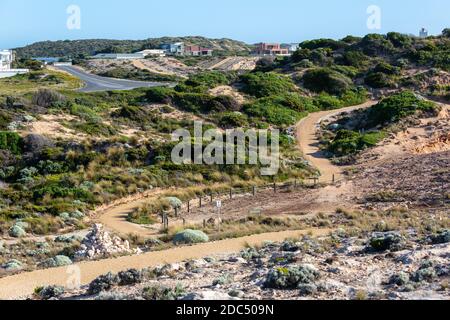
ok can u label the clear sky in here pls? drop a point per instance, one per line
(26, 21)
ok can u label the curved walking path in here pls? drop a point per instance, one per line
(23, 284)
(309, 144)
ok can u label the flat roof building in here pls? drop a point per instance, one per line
(119, 56)
(174, 49)
(198, 51)
(6, 59)
(153, 52)
(270, 49)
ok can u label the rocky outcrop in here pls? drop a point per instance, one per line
(99, 243)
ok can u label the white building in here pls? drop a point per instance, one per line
(292, 47)
(174, 49)
(119, 56)
(6, 60)
(423, 33)
(153, 52)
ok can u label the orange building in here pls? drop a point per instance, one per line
(270, 49)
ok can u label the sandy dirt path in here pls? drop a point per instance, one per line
(308, 142)
(21, 285)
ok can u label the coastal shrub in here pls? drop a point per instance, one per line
(174, 202)
(347, 142)
(261, 84)
(291, 277)
(441, 237)
(57, 261)
(397, 107)
(17, 231)
(129, 277)
(382, 241)
(11, 141)
(326, 80)
(49, 292)
(103, 283)
(161, 293)
(13, 265)
(399, 279)
(189, 236)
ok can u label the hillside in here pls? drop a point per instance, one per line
(76, 48)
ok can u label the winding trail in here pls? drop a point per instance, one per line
(113, 216)
(309, 144)
(21, 285)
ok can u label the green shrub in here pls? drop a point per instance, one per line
(103, 283)
(13, 265)
(291, 277)
(386, 241)
(232, 120)
(397, 107)
(57, 261)
(11, 141)
(347, 142)
(189, 236)
(326, 80)
(161, 293)
(17, 231)
(267, 84)
(49, 292)
(174, 202)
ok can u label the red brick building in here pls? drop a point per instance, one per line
(197, 51)
(270, 49)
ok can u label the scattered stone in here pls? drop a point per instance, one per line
(99, 243)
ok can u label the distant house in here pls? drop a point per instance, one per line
(291, 47)
(198, 51)
(153, 52)
(6, 60)
(174, 49)
(119, 56)
(423, 33)
(270, 49)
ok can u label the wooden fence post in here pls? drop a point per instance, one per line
(212, 197)
(189, 206)
(275, 187)
(204, 223)
(176, 212)
(254, 191)
(200, 201)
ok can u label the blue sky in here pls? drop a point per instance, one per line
(26, 21)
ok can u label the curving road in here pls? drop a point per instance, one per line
(309, 144)
(94, 83)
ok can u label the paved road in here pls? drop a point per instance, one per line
(95, 83)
